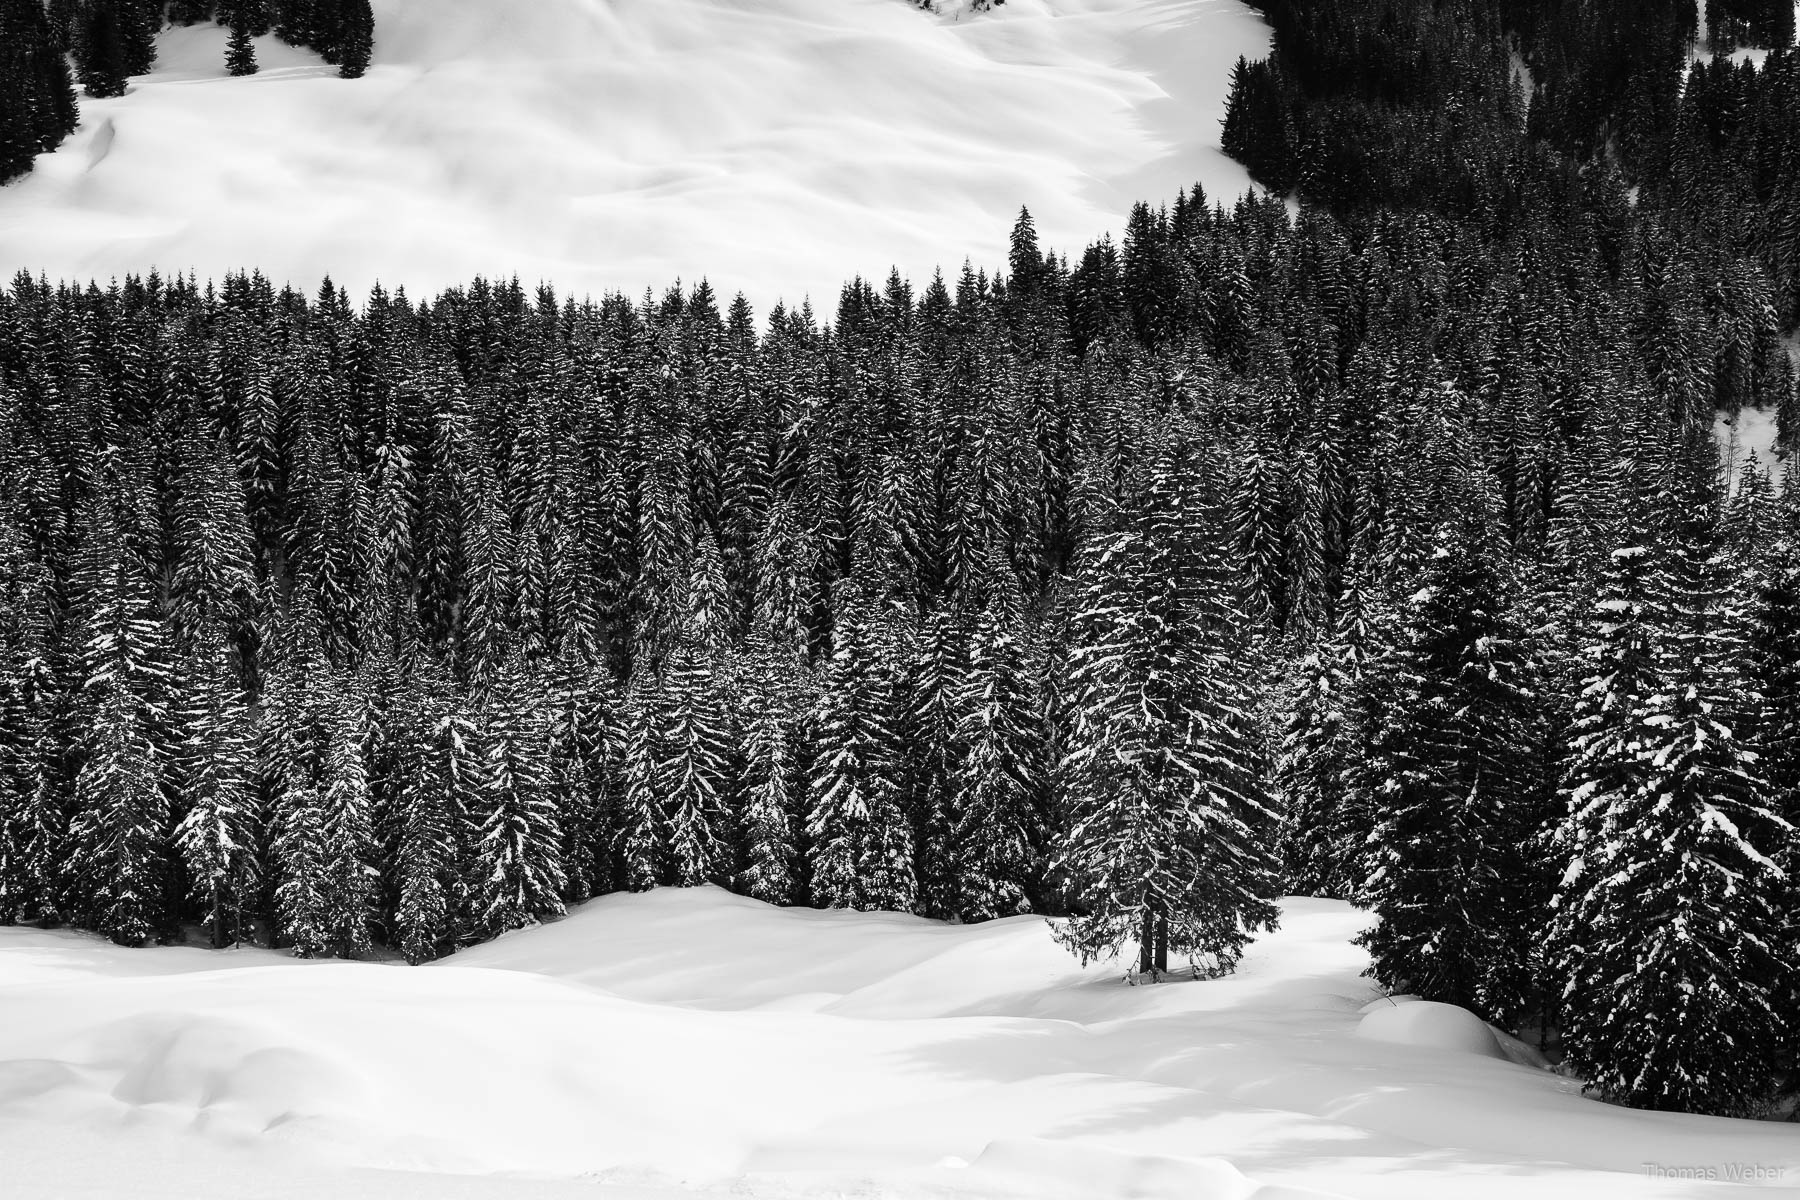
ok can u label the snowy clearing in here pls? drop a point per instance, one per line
(696, 1043)
(775, 146)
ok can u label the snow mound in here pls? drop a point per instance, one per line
(686, 947)
(694, 1044)
(776, 146)
(1428, 1023)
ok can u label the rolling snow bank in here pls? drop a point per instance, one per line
(696, 1043)
(776, 146)
(1428, 1023)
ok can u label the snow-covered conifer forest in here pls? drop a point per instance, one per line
(1357, 602)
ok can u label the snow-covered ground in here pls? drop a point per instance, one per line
(776, 146)
(692, 1043)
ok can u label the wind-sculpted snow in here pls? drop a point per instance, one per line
(696, 1043)
(775, 146)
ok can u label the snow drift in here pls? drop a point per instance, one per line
(776, 146)
(693, 1042)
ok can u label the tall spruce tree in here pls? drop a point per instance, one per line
(862, 843)
(240, 51)
(1668, 940)
(1169, 834)
(995, 790)
(219, 836)
(517, 873)
(1456, 782)
(32, 821)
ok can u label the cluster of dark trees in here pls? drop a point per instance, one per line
(1733, 23)
(37, 96)
(109, 41)
(1558, 761)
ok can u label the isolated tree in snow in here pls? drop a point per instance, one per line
(1169, 834)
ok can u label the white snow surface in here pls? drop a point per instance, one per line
(777, 147)
(693, 1043)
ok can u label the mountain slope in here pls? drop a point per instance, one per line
(776, 146)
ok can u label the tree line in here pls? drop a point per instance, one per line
(1259, 553)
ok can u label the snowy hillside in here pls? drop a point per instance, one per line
(696, 1043)
(777, 146)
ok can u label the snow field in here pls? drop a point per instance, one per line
(775, 146)
(693, 1042)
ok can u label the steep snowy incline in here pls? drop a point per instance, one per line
(776, 146)
(692, 1039)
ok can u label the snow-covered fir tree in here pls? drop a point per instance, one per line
(862, 843)
(1323, 839)
(435, 748)
(1668, 940)
(32, 823)
(1168, 839)
(997, 783)
(694, 770)
(1456, 784)
(119, 836)
(219, 835)
(516, 865)
(771, 797)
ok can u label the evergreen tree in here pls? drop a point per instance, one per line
(346, 842)
(643, 820)
(1168, 840)
(32, 823)
(695, 768)
(862, 844)
(356, 38)
(517, 867)
(37, 99)
(770, 859)
(120, 834)
(1454, 776)
(426, 818)
(993, 843)
(240, 52)
(218, 837)
(1668, 938)
(100, 50)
